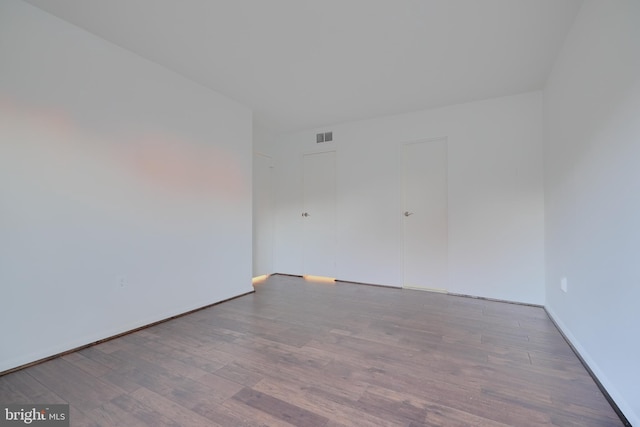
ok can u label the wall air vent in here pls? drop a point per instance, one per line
(324, 137)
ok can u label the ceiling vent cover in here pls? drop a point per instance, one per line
(324, 137)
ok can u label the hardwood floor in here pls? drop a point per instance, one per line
(315, 354)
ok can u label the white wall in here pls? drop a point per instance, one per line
(110, 166)
(592, 109)
(495, 188)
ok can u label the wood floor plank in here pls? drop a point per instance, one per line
(174, 411)
(297, 352)
(79, 419)
(74, 385)
(435, 414)
(225, 415)
(25, 384)
(323, 400)
(111, 415)
(91, 367)
(403, 411)
(251, 416)
(222, 389)
(279, 408)
(10, 394)
(164, 360)
(147, 414)
(237, 373)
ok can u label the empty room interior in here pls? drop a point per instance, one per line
(322, 213)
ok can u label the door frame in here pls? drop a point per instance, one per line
(272, 221)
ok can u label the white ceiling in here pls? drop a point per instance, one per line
(309, 63)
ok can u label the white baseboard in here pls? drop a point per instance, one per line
(420, 288)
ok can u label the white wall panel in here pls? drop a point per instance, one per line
(495, 190)
(110, 167)
(592, 191)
